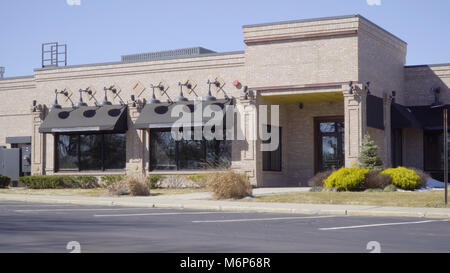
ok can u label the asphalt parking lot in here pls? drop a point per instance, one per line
(38, 227)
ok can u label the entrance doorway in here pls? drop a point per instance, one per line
(329, 143)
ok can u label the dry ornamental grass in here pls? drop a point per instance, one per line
(226, 185)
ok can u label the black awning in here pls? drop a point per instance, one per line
(375, 113)
(403, 117)
(430, 117)
(86, 119)
(159, 115)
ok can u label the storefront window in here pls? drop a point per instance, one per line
(90, 152)
(168, 154)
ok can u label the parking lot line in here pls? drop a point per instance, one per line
(161, 213)
(266, 219)
(90, 209)
(385, 224)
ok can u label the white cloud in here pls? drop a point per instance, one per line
(374, 2)
(77, 2)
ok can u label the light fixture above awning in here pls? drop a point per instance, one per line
(86, 119)
(160, 115)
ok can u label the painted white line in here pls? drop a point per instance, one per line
(36, 205)
(91, 209)
(160, 214)
(385, 224)
(265, 219)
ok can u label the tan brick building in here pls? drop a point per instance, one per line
(303, 66)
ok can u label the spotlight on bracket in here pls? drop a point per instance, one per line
(181, 97)
(350, 90)
(114, 91)
(55, 104)
(133, 99)
(81, 103)
(209, 97)
(105, 99)
(367, 88)
(154, 100)
(245, 92)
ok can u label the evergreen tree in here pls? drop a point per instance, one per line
(368, 157)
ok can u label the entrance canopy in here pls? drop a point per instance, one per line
(86, 119)
(419, 117)
(164, 115)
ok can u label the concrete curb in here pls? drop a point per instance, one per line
(235, 206)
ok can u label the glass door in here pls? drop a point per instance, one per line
(329, 143)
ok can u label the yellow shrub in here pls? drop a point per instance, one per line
(346, 179)
(403, 178)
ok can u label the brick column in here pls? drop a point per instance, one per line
(135, 143)
(38, 141)
(387, 159)
(355, 122)
(244, 152)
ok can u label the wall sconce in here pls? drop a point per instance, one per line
(300, 106)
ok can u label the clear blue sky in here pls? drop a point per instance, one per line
(103, 30)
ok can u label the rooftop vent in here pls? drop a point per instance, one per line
(169, 54)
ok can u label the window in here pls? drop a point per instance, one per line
(168, 154)
(272, 159)
(90, 152)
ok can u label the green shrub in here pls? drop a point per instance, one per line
(346, 179)
(153, 180)
(4, 181)
(59, 181)
(403, 178)
(107, 180)
(316, 189)
(82, 182)
(200, 179)
(376, 180)
(390, 188)
(368, 157)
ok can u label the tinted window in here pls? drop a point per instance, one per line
(67, 152)
(91, 152)
(115, 151)
(162, 152)
(168, 154)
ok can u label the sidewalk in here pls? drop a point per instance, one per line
(197, 201)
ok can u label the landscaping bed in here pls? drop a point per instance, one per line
(433, 198)
(98, 192)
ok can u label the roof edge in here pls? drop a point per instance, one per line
(142, 61)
